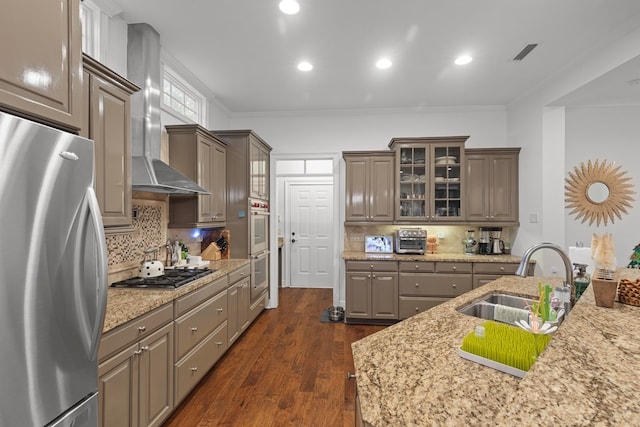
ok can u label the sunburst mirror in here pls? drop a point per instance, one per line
(598, 192)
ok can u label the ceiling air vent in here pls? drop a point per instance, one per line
(524, 52)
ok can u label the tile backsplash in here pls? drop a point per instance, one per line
(149, 230)
(450, 243)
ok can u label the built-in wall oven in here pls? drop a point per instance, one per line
(259, 274)
(258, 226)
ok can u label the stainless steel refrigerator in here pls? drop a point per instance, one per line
(53, 277)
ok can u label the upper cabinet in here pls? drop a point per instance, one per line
(201, 157)
(107, 120)
(369, 186)
(259, 153)
(41, 67)
(492, 186)
(429, 179)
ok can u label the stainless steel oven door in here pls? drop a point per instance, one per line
(259, 274)
(259, 228)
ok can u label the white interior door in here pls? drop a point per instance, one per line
(311, 240)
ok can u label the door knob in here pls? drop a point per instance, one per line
(293, 240)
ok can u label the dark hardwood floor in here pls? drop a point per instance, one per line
(287, 369)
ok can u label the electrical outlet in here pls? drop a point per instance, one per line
(357, 238)
(554, 270)
(440, 234)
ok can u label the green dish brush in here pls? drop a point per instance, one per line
(505, 344)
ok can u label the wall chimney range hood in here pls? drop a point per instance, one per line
(149, 173)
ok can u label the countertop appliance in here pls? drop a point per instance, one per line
(171, 279)
(53, 277)
(411, 240)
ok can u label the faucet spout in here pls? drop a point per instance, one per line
(526, 258)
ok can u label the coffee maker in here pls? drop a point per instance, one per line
(497, 245)
(489, 242)
(484, 242)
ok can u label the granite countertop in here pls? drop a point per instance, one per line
(410, 374)
(362, 256)
(124, 304)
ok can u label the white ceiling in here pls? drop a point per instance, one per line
(246, 51)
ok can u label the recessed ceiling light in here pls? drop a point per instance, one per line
(384, 63)
(463, 59)
(290, 7)
(305, 66)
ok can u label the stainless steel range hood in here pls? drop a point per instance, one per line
(149, 173)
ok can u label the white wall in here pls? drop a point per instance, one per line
(609, 133)
(532, 125)
(336, 131)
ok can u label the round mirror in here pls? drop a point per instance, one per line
(597, 192)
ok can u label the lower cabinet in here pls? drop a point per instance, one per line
(425, 284)
(371, 290)
(150, 364)
(135, 372)
(239, 303)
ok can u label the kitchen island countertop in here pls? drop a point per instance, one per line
(410, 374)
(124, 304)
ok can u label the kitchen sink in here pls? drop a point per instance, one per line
(485, 307)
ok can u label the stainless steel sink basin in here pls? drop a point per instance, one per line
(485, 307)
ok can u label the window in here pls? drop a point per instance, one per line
(304, 167)
(181, 99)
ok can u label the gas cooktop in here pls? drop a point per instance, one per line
(172, 279)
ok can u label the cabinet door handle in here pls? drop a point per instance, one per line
(417, 309)
(194, 369)
(374, 276)
(142, 328)
(453, 285)
(501, 268)
(194, 329)
(417, 285)
(144, 348)
(137, 352)
(220, 310)
(417, 267)
(455, 268)
(351, 376)
(219, 343)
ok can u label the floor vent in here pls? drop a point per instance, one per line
(524, 52)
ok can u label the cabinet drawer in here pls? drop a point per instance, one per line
(192, 327)
(134, 330)
(454, 267)
(190, 370)
(372, 265)
(435, 284)
(494, 268)
(414, 305)
(240, 273)
(192, 299)
(257, 307)
(421, 266)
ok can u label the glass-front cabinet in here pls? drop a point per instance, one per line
(430, 184)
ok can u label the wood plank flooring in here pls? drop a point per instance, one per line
(287, 369)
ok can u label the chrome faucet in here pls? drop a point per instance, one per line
(524, 264)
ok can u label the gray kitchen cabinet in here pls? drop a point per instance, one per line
(201, 334)
(371, 291)
(40, 71)
(202, 157)
(248, 157)
(430, 179)
(370, 178)
(425, 284)
(135, 371)
(484, 273)
(492, 190)
(239, 303)
(107, 120)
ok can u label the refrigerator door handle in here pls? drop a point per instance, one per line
(96, 220)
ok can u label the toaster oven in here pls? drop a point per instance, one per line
(411, 241)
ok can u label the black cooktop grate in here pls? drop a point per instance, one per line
(172, 279)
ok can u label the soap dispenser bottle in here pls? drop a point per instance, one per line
(581, 278)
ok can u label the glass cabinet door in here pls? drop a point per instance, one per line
(413, 182)
(446, 180)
